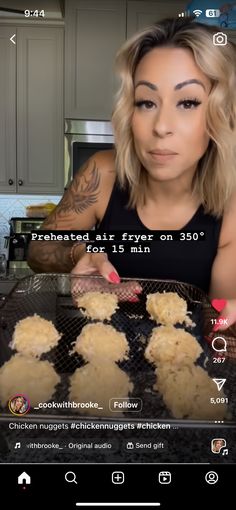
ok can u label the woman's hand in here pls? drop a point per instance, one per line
(98, 264)
(226, 319)
(227, 309)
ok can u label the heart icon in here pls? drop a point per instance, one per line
(218, 304)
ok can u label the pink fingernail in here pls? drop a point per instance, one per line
(137, 291)
(216, 327)
(114, 277)
(208, 339)
(134, 300)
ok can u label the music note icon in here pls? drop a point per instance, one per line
(225, 451)
(17, 445)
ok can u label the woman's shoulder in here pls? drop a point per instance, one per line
(228, 231)
(103, 163)
(99, 169)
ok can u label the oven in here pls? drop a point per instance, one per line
(82, 139)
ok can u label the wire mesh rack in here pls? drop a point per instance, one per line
(51, 297)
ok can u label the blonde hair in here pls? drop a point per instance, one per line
(215, 178)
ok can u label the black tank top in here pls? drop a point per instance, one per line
(189, 262)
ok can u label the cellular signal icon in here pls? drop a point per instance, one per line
(183, 14)
(197, 12)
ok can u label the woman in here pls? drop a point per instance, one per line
(217, 444)
(18, 405)
(173, 167)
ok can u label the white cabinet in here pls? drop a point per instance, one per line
(141, 14)
(8, 110)
(31, 81)
(94, 30)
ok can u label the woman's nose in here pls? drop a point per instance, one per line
(164, 122)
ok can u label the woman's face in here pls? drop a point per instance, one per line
(169, 119)
(18, 404)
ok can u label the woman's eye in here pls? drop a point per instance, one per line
(189, 104)
(144, 105)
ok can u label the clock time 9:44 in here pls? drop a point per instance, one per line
(34, 14)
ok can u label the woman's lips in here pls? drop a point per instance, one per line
(162, 156)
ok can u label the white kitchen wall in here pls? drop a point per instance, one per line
(14, 205)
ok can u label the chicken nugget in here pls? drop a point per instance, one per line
(101, 343)
(98, 305)
(34, 335)
(28, 376)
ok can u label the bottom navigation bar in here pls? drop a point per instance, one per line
(119, 505)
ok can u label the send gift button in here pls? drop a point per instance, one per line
(133, 405)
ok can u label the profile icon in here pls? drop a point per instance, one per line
(19, 405)
(217, 444)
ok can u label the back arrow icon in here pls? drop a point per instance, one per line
(12, 38)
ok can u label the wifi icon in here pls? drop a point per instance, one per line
(197, 12)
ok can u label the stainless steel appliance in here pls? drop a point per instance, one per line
(18, 240)
(82, 139)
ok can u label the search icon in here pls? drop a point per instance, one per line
(221, 344)
(70, 477)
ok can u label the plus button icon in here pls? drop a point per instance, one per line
(117, 477)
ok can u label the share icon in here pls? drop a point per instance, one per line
(219, 383)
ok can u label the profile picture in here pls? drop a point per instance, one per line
(19, 405)
(217, 444)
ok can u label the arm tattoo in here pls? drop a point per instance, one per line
(54, 256)
(82, 193)
(50, 256)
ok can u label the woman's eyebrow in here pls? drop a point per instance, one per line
(177, 87)
(189, 82)
(147, 83)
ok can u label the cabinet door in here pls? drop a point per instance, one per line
(8, 110)
(40, 109)
(141, 14)
(94, 32)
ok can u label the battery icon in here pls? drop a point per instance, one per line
(212, 13)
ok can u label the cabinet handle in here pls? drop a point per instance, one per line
(20, 182)
(10, 182)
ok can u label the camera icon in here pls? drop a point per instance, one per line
(220, 39)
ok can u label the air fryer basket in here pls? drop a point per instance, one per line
(49, 295)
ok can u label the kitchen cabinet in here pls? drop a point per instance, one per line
(94, 30)
(31, 125)
(8, 109)
(140, 14)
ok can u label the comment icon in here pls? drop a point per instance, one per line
(219, 344)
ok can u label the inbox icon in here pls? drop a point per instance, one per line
(164, 477)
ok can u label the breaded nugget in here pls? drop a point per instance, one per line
(98, 305)
(28, 376)
(187, 392)
(167, 308)
(99, 383)
(100, 343)
(34, 335)
(171, 345)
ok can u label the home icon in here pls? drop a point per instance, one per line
(24, 478)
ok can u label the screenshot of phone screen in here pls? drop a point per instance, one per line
(117, 250)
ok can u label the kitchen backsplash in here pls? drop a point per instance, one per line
(14, 205)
